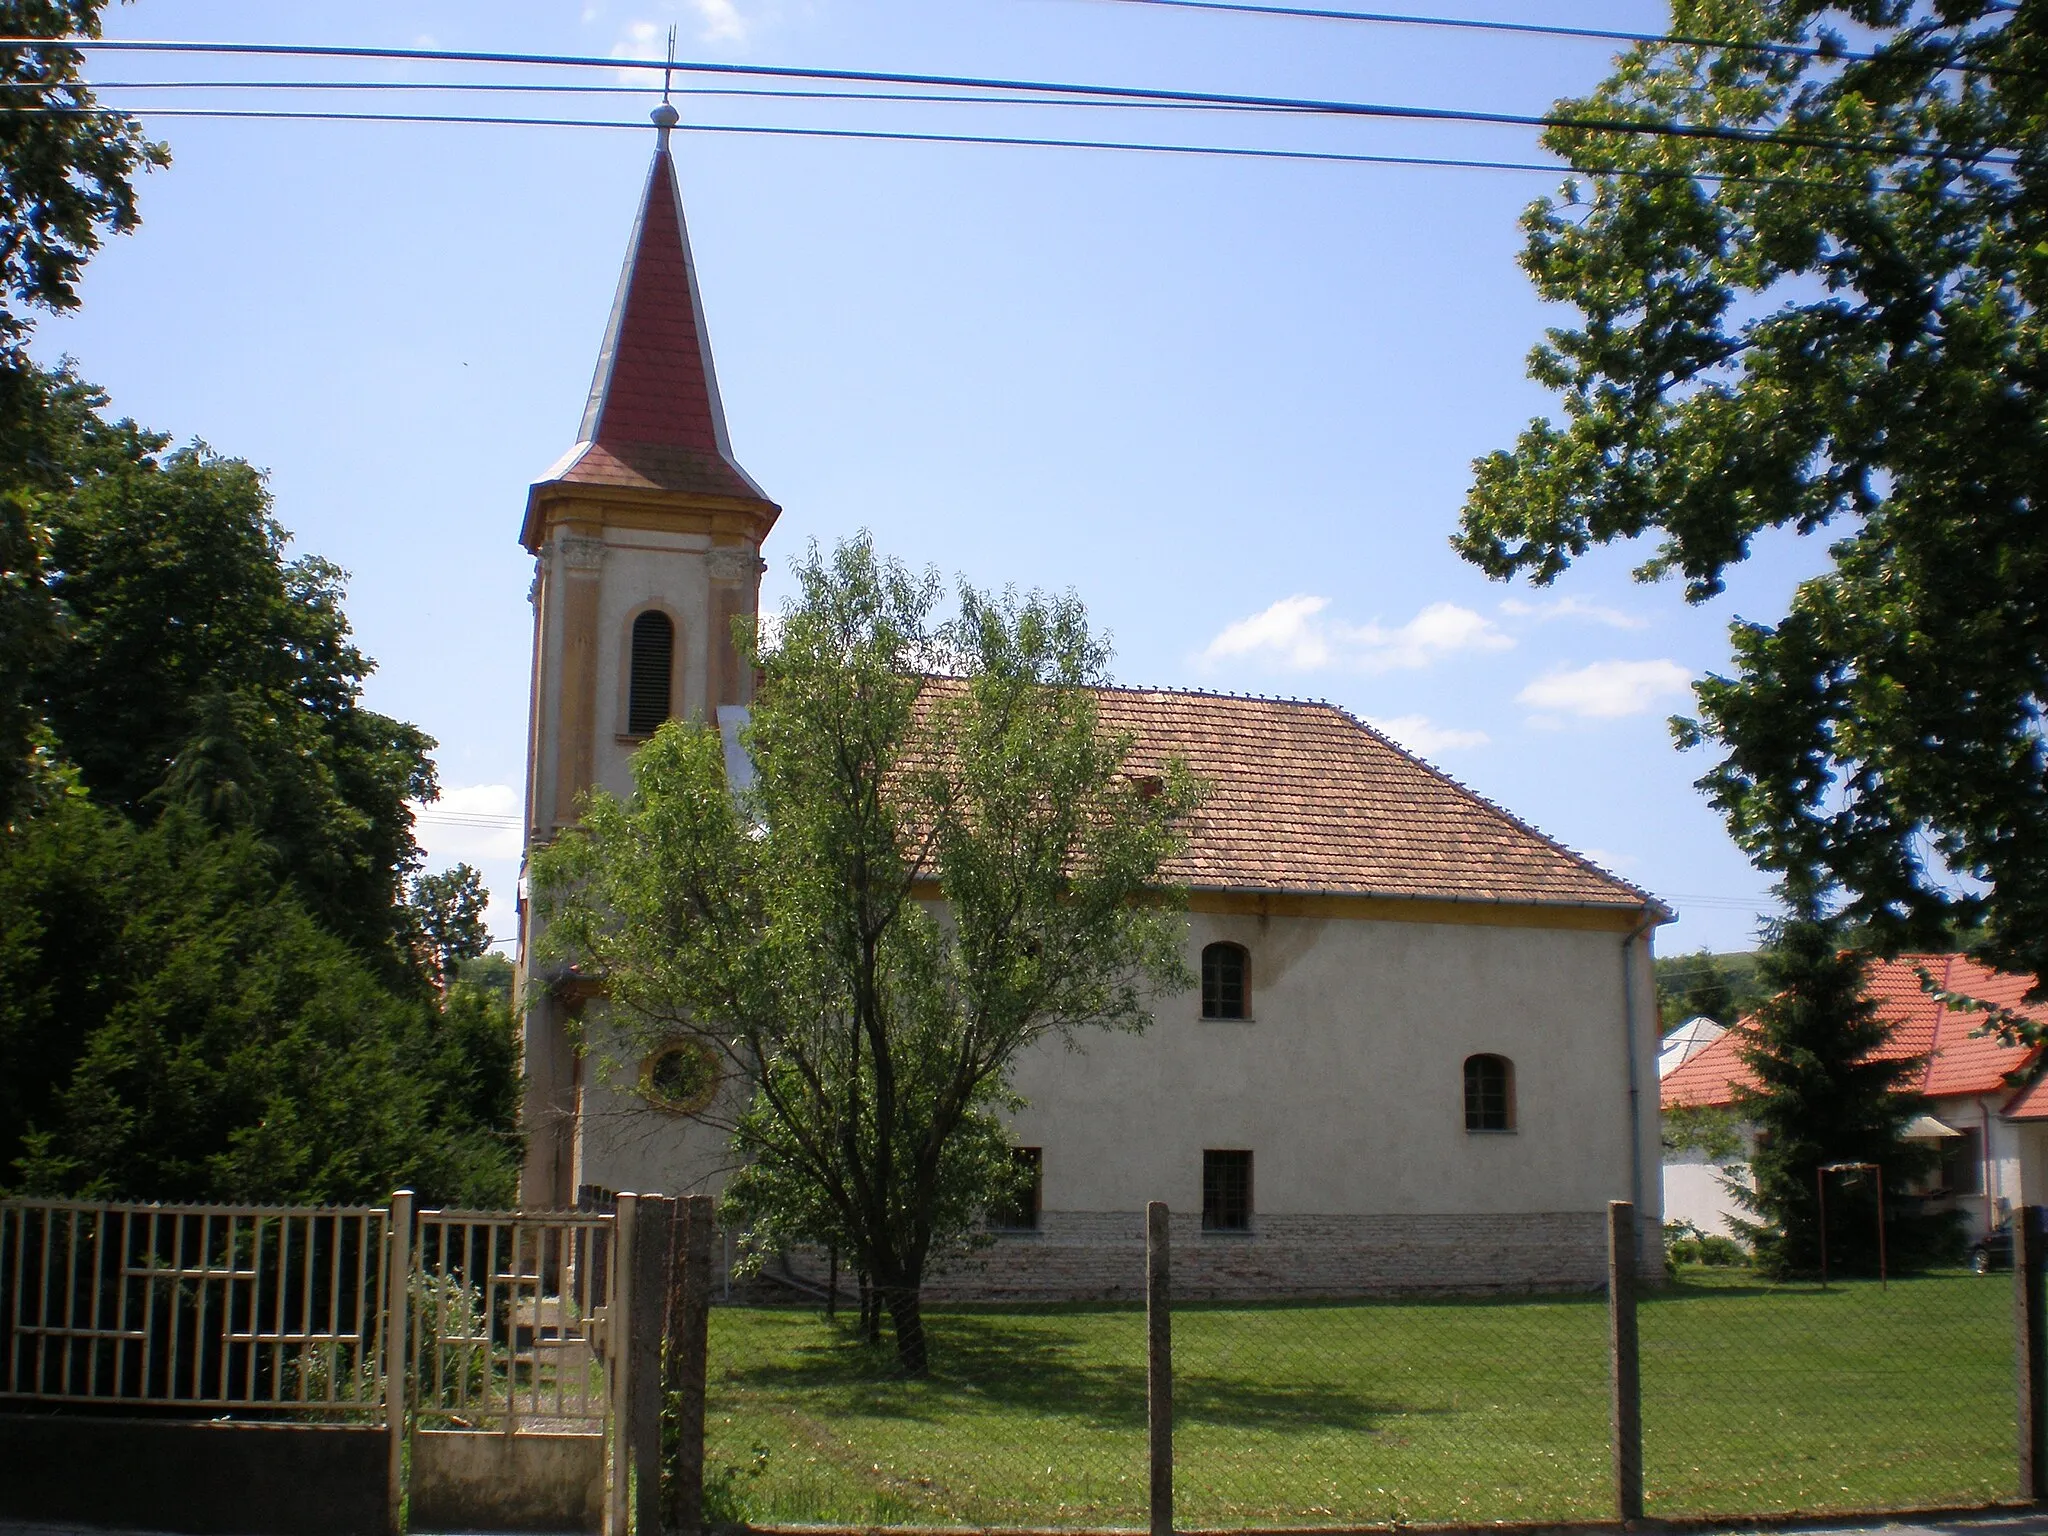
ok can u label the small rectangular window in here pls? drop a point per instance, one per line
(1962, 1164)
(1226, 1191)
(1020, 1214)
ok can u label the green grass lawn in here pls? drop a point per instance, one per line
(1755, 1399)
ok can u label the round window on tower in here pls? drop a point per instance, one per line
(681, 1078)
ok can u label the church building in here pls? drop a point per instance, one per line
(1422, 1050)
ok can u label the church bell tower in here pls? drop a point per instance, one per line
(646, 539)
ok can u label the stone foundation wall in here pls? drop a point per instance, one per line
(1100, 1256)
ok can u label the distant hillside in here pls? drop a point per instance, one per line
(1723, 987)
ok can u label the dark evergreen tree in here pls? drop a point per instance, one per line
(1826, 1095)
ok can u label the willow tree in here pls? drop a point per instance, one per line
(942, 860)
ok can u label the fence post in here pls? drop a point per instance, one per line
(689, 1361)
(397, 1306)
(2030, 1346)
(1159, 1364)
(618, 1366)
(643, 1410)
(1624, 1360)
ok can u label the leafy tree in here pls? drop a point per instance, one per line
(446, 913)
(490, 973)
(927, 877)
(1816, 302)
(1706, 985)
(203, 669)
(175, 1025)
(1825, 1096)
(66, 179)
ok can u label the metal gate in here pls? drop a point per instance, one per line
(473, 1343)
(509, 1395)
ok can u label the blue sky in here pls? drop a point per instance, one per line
(1232, 404)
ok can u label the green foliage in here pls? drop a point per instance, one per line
(1824, 1096)
(1829, 316)
(177, 1026)
(1723, 987)
(203, 833)
(204, 670)
(65, 178)
(491, 973)
(1685, 1243)
(927, 877)
(1708, 1129)
(445, 915)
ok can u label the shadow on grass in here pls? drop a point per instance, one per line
(1040, 1369)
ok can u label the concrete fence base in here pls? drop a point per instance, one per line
(204, 1478)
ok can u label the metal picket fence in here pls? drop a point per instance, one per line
(248, 1309)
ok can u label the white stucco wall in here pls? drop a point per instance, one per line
(1346, 1085)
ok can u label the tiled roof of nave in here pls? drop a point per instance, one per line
(1304, 797)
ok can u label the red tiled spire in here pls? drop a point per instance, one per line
(654, 420)
(655, 382)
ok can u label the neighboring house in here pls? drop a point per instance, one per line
(1987, 1102)
(1686, 1042)
(1420, 1053)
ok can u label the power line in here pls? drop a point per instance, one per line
(1470, 24)
(1543, 29)
(1055, 88)
(1022, 141)
(488, 87)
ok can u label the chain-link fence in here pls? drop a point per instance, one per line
(1754, 1399)
(1425, 1411)
(1761, 1399)
(1028, 1416)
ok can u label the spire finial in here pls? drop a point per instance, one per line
(665, 116)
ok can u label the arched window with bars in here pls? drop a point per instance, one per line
(1489, 1093)
(1226, 982)
(651, 670)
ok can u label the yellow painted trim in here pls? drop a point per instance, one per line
(1391, 909)
(1396, 909)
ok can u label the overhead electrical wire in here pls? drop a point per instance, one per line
(1539, 29)
(488, 87)
(1373, 110)
(1014, 140)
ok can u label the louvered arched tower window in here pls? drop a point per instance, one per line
(653, 665)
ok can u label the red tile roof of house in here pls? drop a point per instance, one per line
(1303, 797)
(1958, 1061)
(654, 420)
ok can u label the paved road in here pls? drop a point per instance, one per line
(2000, 1525)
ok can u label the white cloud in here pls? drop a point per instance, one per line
(641, 40)
(1421, 735)
(722, 21)
(1572, 608)
(1295, 633)
(476, 822)
(1609, 860)
(1606, 690)
(717, 21)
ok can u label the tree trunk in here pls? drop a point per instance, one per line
(832, 1286)
(907, 1313)
(870, 1312)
